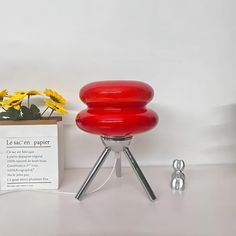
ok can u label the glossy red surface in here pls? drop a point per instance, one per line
(116, 93)
(116, 108)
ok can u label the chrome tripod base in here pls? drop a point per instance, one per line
(117, 145)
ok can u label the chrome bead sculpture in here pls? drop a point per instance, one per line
(178, 177)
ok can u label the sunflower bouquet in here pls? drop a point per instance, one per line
(18, 106)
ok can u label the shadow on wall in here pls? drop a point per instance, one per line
(221, 134)
(176, 136)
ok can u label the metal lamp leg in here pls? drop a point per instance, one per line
(139, 174)
(93, 173)
(118, 164)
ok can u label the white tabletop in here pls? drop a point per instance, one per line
(206, 207)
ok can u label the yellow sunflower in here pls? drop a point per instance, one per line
(3, 93)
(56, 97)
(18, 93)
(14, 101)
(29, 92)
(55, 106)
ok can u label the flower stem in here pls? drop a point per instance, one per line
(44, 111)
(51, 114)
(28, 100)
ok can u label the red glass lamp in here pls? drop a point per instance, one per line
(116, 111)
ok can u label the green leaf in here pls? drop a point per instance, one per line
(10, 114)
(30, 114)
(3, 116)
(13, 113)
(26, 114)
(35, 112)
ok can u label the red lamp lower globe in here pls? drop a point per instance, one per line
(116, 123)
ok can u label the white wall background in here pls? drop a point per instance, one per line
(185, 49)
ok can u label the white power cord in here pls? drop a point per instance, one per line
(108, 178)
(67, 193)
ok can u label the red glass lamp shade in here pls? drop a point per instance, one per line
(116, 108)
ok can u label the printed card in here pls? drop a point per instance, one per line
(29, 157)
